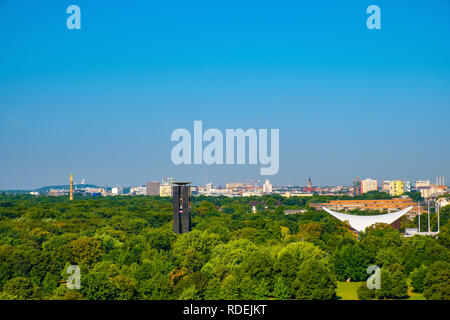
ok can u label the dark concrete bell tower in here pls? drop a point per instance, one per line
(181, 207)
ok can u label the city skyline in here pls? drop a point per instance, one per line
(438, 180)
(348, 101)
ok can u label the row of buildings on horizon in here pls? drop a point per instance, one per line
(399, 187)
(242, 189)
(401, 201)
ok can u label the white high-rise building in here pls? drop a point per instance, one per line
(138, 191)
(116, 191)
(369, 185)
(386, 187)
(267, 187)
(407, 186)
(209, 187)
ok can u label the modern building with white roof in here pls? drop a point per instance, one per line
(360, 223)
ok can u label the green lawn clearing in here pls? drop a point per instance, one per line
(347, 290)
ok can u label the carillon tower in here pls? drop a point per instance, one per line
(181, 207)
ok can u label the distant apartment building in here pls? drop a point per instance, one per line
(267, 187)
(406, 186)
(255, 192)
(138, 191)
(58, 192)
(422, 184)
(386, 186)
(209, 188)
(395, 187)
(95, 191)
(357, 191)
(432, 191)
(194, 190)
(152, 188)
(369, 185)
(165, 189)
(234, 185)
(428, 190)
(116, 191)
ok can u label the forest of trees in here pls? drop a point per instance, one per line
(126, 249)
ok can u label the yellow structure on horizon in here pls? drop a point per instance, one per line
(71, 188)
(396, 188)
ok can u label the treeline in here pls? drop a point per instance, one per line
(126, 249)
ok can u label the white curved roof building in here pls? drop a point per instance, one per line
(360, 223)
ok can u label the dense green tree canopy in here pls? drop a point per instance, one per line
(126, 250)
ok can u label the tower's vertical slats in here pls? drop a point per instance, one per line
(176, 209)
(186, 208)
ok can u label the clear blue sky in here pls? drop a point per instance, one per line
(348, 101)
